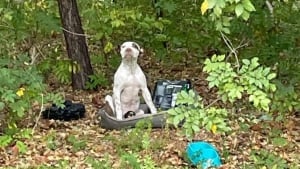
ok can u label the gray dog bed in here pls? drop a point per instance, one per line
(108, 121)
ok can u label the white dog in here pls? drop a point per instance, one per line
(129, 80)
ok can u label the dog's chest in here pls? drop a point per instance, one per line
(132, 81)
(130, 77)
(130, 90)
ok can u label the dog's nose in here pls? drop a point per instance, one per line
(128, 50)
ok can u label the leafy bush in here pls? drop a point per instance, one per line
(191, 112)
(284, 100)
(21, 86)
(222, 10)
(97, 80)
(252, 80)
(61, 69)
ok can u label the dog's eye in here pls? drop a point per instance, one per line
(135, 46)
(122, 46)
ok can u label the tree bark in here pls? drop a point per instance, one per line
(75, 43)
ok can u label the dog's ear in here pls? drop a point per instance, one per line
(117, 48)
(141, 52)
(136, 46)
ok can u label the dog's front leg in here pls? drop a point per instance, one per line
(147, 97)
(109, 100)
(117, 100)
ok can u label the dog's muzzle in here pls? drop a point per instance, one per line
(128, 53)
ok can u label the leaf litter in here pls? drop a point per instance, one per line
(50, 146)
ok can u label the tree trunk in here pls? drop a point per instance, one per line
(75, 43)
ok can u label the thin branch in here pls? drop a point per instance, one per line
(33, 54)
(38, 118)
(74, 33)
(212, 103)
(4, 26)
(36, 54)
(41, 53)
(232, 49)
(241, 45)
(270, 7)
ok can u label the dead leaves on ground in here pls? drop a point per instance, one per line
(51, 143)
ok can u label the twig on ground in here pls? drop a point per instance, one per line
(41, 53)
(39, 116)
(212, 103)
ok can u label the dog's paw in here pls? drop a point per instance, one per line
(108, 98)
(119, 115)
(140, 112)
(154, 111)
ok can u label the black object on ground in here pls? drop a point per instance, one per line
(71, 111)
(165, 91)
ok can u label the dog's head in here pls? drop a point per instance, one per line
(129, 50)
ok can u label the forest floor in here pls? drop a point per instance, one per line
(83, 144)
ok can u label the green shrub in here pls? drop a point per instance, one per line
(20, 87)
(97, 80)
(193, 115)
(285, 100)
(251, 80)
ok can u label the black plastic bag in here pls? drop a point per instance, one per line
(71, 111)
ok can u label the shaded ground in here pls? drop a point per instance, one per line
(52, 143)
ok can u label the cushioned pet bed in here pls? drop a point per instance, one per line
(108, 121)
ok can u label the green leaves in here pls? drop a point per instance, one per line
(204, 6)
(266, 159)
(239, 9)
(5, 140)
(108, 47)
(170, 6)
(279, 141)
(222, 9)
(2, 105)
(260, 100)
(246, 62)
(21, 146)
(191, 112)
(271, 76)
(247, 4)
(21, 86)
(252, 79)
(77, 144)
